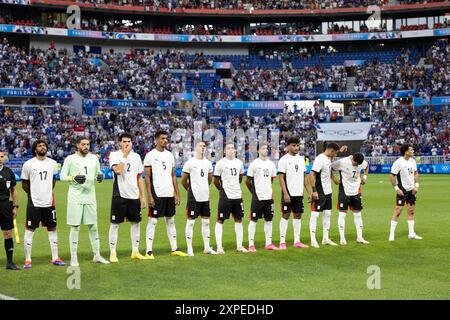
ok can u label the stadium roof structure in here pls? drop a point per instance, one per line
(421, 7)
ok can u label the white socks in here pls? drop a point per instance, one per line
(135, 234)
(206, 233)
(341, 224)
(53, 239)
(74, 234)
(171, 232)
(358, 224)
(283, 229)
(94, 238)
(411, 228)
(268, 232)
(189, 234)
(150, 233)
(28, 244)
(297, 223)
(251, 233)
(393, 226)
(326, 224)
(313, 225)
(219, 231)
(113, 236)
(239, 229)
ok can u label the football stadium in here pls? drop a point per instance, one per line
(224, 150)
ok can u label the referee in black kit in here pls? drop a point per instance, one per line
(8, 209)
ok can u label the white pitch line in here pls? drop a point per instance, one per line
(3, 297)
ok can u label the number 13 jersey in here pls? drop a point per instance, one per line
(229, 172)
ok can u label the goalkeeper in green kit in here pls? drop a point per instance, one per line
(82, 170)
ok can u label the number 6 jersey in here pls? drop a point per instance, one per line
(198, 171)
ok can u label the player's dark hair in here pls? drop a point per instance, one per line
(125, 135)
(36, 143)
(160, 133)
(358, 157)
(404, 148)
(332, 145)
(79, 139)
(292, 140)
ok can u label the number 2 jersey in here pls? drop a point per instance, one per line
(126, 183)
(40, 173)
(88, 166)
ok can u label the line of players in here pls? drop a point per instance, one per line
(82, 170)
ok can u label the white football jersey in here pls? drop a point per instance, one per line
(229, 172)
(350, 175)
(262, 172)
(162, 164)
(404, 170)
(322, 168)
(126, 183)
(294, 168)
(40, 173)
(198, 171)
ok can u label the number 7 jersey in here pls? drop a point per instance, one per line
(350, 175)
(88, 166)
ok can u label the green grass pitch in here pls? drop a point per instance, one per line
(409, 269)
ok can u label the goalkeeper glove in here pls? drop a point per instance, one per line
(100, 177)
(80, 179)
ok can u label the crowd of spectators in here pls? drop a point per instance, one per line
(426, 129)
(152, 75)
(242, 4)
(262, 84)
(429, 79)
